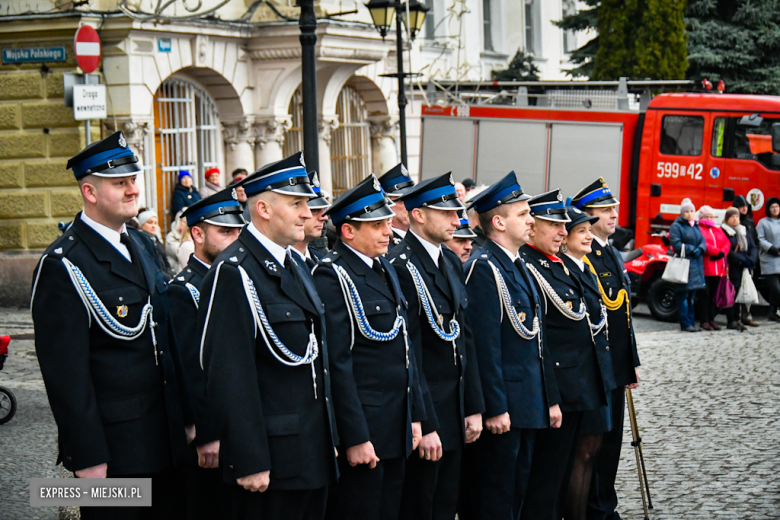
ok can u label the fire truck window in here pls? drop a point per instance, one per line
(682, 135)
(755, 143)
(718, 134)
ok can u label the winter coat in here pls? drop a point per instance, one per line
(209, 189)
(769, 243)
(738, 260)
(695, 246)
(183, 198)
(717, 242)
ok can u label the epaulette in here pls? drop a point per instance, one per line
(183, 277)
(233, 255)
(61, 246)
(401, 256)
(331, 257)
(472, 261)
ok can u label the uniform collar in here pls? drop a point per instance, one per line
(207, 266)
(549, 257)
(367, 259)
(111, 236)
(597, 239)
(512, 257)
(580, 263)
(305, 256)
(433, 250)
(400, 232)
(277, 251)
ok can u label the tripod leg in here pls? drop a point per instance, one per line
(637, 443)
(638, 440)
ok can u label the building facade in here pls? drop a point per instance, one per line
(220, 87)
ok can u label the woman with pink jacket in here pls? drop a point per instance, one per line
(715, 264)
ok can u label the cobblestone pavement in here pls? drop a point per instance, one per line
(707, 411)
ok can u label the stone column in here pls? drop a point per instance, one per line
(136, 132)
(270, 138)
(327, 125)
(384, 130)
(240, 141)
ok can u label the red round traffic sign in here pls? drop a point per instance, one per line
(88, 48)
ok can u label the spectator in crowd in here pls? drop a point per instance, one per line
(460, 189)
(685, 232)
(172, 242)
(718, 247)
(187, 246)
(149, 225)
(239, 174)
(768, 230)
(742, 255)
(469, 184)
(184, 195)
(746, 216)
(212, 183)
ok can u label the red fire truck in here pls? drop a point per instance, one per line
(708, 147)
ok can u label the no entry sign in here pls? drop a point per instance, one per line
(88, 49)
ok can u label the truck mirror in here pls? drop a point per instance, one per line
(728, 194)
(753, 120)
(655, 190)
(776, 137)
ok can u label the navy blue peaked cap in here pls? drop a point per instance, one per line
(577, 217)
(464, 230)
(363, 203)
(396, 181)
(594, 195)
(319, 201)
(109, 157)
(288, 177)
(436, 193)
(220, 209)
(505, 191)
(549, 206)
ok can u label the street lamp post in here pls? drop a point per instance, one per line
(382, 12)
(308, 25)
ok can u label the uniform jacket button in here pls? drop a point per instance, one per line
(326, 372)
(288, 314)
(557, 364)
(607, 349)
(378, 307)
(408, 389)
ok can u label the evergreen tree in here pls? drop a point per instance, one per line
(521, 68)
(660, 49)
(584, 20)
(737, 41)
(617, 25)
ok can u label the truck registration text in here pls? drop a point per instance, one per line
(675, 170)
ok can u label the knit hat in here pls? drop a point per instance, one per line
(739, 201)
(144, 216)
(705, 210)
(211, 171)
(730, 213)
(769, 202)
(686, 205)
(184, 173)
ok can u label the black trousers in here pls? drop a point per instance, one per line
(706, 310)
(495, 474)
(548, 482)
(278, 504)
(169, 491)
(603, 500)
(208, 497)
(430, 489)
(368, 494)
(773, 280)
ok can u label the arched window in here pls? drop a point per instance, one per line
(350, 147)
(186, 126)
(293, 138)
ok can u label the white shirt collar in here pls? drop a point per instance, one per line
(111, 236)
(601, 242)
(511, 256)
(577, 261)
(275, 249)
(208, 266)
(367, 259)
(305, 256)
(400, 232)
(433, 250)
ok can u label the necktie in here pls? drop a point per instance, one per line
(377, 268)
(124, 238)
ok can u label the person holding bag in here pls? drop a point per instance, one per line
(769, 243)
(714, 260)
(742, 257)
(685, 234)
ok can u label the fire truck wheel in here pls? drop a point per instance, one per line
(7, 405)
(662, 301)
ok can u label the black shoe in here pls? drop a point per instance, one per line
(691, 329)
(733, 325)
(774, 317)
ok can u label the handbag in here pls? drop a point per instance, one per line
(747, 291)
(677, 268)
(724, 296)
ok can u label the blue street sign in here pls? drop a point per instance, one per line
(33, 54)
(164, 44)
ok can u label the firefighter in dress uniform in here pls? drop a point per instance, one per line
(595, 423)
(432, 281)
(265, 355)
(376, 392)
(462, 240)
(570, 338)
(521, 395)
(105, 343)
(396, 182)
(597, 200)
(313, 227)
(215, 223)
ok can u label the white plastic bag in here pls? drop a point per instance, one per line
(747, 291)
(677, 268)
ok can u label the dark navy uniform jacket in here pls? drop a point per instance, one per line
(577, 369)
(268, 414)
(184, 313)
(113, 400)
(622, 342)
(516, 376)
(376, 397)
(592, 297)
(395, 239)
(450, 376)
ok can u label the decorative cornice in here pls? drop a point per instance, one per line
(382, 127)
(235, 132)
(272, 128)
(327, 125)
(134, 130)
(337, 53)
